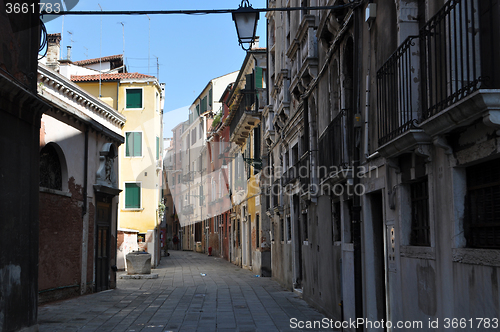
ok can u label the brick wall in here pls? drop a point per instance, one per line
(60, 243)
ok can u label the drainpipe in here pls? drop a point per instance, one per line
(85, 217)
(367, 97)
(85, 171)
(356, 208)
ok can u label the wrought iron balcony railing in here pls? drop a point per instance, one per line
(449, 60)
(398, 92)
(450, 45)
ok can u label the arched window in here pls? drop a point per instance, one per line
(50, 168)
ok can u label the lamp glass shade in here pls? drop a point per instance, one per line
(245, 19)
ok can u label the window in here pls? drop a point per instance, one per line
(220, 184)
(50, 168)
(256, 147)
(257, 231)
(305, 226)
(193, 136)
(157, 104)
(210, 97)
(213, 189)
(132, 195)
(289, 228)
(482, 210)
(201, 195)
(133, 144)
(201, 130)
(282, 230)
(133, 98)
(336, 230)
(203, 105)
(420, 230)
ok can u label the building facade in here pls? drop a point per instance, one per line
(201, 192)
(20, 113)
(249, 228)
(79, 139)
(139, 98)
(382, 124)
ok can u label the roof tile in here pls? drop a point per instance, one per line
(107, 77)
(96, 60)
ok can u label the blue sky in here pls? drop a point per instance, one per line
(191, 49)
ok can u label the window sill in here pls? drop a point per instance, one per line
(418, 252)
(487, 257)
(132, 210)
(54, 192)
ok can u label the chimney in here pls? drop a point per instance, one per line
(255, 44)
(69, 53)
(53, 50)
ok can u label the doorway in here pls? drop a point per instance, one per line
(103, 225)
(377, 216)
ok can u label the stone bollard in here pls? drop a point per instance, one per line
(138, 262)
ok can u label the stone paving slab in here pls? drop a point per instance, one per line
(193, 292)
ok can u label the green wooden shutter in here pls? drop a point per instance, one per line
(198, 109)
(137, 144)
(132, 196)
(258, 77)
(129, 147)
(134, 98)
(210, 98)
(157, 148)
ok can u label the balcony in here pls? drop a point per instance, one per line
(334, 145)
(188, 209)
(291, 174)
(459, 66)
(246, 117)
(188, 177)
(440, 80)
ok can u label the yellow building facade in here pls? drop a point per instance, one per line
(139, 98)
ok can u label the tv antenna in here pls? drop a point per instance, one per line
(123, 36)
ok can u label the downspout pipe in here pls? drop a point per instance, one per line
(366, 149)
(85, 171)
(356, 208)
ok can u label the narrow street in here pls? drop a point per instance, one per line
(193, 292)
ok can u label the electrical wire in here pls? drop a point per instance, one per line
(196, 11)
(43, 41)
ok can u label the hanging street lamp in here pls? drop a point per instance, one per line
(245, 18)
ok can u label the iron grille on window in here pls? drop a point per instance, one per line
(282, 230)
(482, 222)
(289, 228)
(420, 230)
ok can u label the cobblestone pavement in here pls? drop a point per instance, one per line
(227, 298)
